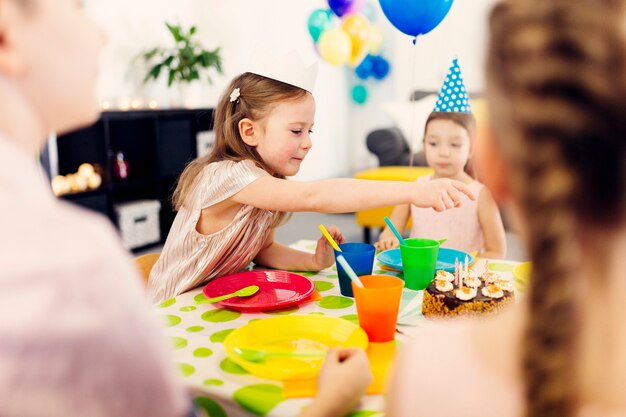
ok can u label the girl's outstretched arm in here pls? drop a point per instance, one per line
(279, 256)
(399, 218)
(349, 195)
(491, 224)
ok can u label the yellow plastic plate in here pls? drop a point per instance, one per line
(521, 273)
(298, 333)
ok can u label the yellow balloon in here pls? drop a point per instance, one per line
(335, 46)
(358, 29)
(376, 39)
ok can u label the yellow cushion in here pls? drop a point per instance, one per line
(375, 217)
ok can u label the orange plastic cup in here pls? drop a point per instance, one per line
(377, 305)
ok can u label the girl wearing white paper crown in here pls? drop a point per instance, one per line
(448, 143)
(230, 201)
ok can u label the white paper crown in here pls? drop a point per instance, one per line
(288, 68)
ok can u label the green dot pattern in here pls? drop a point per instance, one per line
(199, 298)
(178, 342)
(335, 302)
(219, 337)
(213, 381)
(220, 315)
(353, 318)
(210, 407)
(194, 329)
(501, 267)
(259, 399)
(365, 413)
(171, 320)
(332, 276)
(185, 369)
(167, 303)
(187, 309)
(231, 367)
(202, 352)
(323, 285)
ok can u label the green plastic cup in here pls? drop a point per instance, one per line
(419, 259)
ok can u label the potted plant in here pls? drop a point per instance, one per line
(185, 62)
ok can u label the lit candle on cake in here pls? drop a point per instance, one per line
(456, 272)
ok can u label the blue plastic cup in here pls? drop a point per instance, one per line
(360, 256)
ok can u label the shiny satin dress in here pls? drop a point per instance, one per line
(189, 258)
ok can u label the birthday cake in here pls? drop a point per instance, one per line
(466, 293)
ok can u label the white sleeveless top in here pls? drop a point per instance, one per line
(189, 258)
(459, 225)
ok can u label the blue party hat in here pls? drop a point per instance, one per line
(453, 95)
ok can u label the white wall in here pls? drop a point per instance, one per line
(238, 25)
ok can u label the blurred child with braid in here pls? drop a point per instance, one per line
(557, 91)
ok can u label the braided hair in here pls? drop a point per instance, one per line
(556, 75)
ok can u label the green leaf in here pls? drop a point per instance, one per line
(171, 77)
(175, 31)
(151, 53)
(154, 72)
(192, 30)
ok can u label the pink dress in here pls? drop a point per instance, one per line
(190, 258)
(459, 225)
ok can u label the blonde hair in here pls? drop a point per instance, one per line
(258, 96)
(556, 74)
(467, 121)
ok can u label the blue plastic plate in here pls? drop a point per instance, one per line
(445, 259)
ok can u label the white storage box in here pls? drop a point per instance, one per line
(139, 222)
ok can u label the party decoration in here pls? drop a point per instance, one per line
(380, 67)
(376, 39)
(415, 17)
(343, 34)
(359, 94)
(319, 21)
(341, 7)
(453, 95)
(358, 29)
(364, 69)
(335, 46)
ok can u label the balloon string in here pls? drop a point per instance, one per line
(413, 110)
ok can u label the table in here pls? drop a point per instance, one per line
(223, 388)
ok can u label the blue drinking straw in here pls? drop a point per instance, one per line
(395, 231)
(349, 271)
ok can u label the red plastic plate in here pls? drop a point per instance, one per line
(277, 289)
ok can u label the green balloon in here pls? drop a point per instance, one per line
(359, 94)
(319, 21)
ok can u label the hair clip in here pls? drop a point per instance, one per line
(234, 95)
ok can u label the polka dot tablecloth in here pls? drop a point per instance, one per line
(220, 386)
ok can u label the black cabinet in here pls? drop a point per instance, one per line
(157, 145)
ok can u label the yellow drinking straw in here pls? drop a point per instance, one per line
(329, 238)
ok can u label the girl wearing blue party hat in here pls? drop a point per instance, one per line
(475, 226)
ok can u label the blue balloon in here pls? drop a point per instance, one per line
(415, 17)
(340, 7)
(364, 69)
(380, 67)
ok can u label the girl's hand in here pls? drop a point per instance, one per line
(342, 381)
(324, 255)
(386, 243)
(440, 194)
